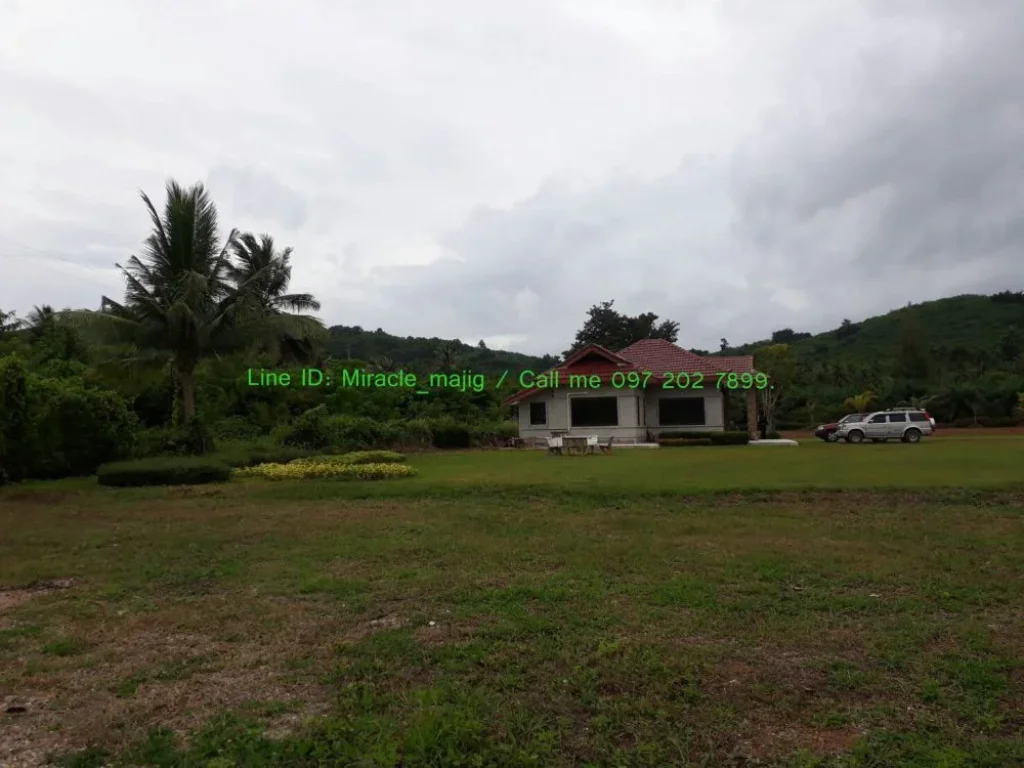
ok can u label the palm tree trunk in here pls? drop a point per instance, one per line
(187, 379)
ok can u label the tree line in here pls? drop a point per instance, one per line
(161, 368)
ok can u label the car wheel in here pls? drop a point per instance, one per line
(856, 436)
(912, 436)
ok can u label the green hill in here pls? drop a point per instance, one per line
(977, 323)
(356, 343)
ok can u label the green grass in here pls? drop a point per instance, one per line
(939, 463)
(649, 608)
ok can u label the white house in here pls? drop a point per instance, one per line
(650, 387)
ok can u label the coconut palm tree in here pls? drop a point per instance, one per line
(860, 403)
(8, 323)
(263, 273)
(39, 320)
(183, 302)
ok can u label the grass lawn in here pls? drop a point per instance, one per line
(514, 609)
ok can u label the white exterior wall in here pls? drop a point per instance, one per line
(714, 410)
(631, 415)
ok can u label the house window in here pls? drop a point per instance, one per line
(538, 414)
(681, 412)
(595, 411)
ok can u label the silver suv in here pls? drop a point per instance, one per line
(906, 424)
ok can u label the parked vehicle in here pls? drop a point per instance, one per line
(906, 424)
(827, 432)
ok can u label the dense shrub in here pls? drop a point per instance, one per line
(450, 434)
(684, 434)
(235, 428)
(52, 428)
(15, 419)
(310, 430)
(355, 433)
(329, 469)
(680, 442)
(964, 423)
(493, 434)
(76, 429)
(773, 435)
(164, 470)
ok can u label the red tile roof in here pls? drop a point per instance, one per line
(656, 356)
(661, 356)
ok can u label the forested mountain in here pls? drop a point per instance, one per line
(385, 351)
(990, 324)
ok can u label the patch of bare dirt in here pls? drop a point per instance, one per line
(194, 491)
(11, 597)
(169, 669)
(39, 496)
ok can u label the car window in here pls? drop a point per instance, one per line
(878, 419)
(918, 417)
(894, 417)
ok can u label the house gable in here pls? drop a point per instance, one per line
(657, 356)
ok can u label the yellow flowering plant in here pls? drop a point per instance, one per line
(310, 469)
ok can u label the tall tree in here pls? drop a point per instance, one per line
(263, 273)
(779, 363)
(612, 329)
(8, 323)
(181, 303)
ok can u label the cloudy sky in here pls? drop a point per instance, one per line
(489, 169)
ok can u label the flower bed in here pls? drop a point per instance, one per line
(308, 469)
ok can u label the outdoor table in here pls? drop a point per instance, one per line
(576, 445)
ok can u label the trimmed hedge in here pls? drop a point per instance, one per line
(679, 442)
(730, 438)
(164, 470)
(716, 438)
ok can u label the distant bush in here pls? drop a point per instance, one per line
(308, 470)
(684, 434)
(679, 442)
(773, 436)
(165, 470)
(964, 423)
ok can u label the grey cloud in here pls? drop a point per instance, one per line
(725, 165)
(257, 194)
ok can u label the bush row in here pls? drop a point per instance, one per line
(714, 438)
(163, 470)
(679, 442)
